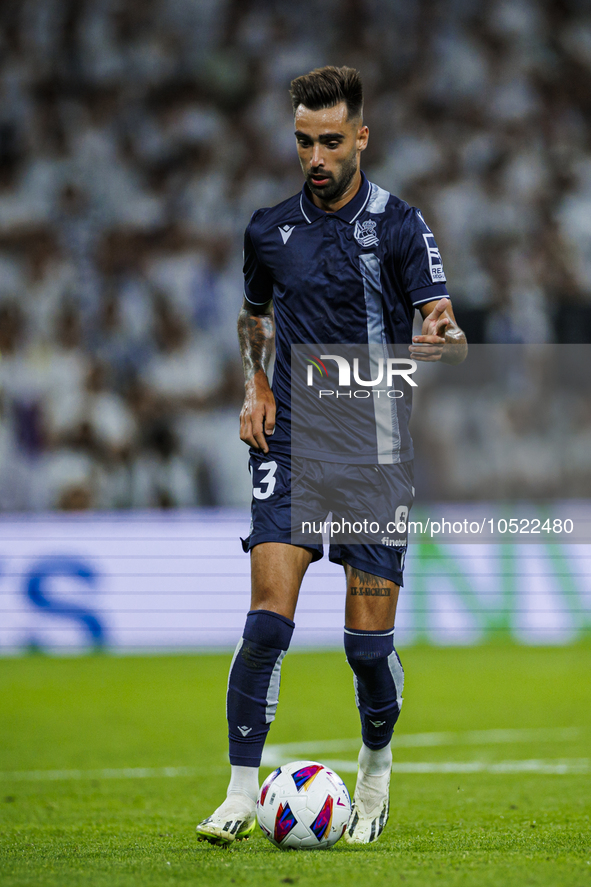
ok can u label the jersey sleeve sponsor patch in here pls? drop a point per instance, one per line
(420, 259)
(435, 260)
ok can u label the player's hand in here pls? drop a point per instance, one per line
(257, 417)
(435, 333)
(441, 338)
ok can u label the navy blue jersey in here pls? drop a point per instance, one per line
(353, 276)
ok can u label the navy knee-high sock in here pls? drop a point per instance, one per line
(379, 680)
(253, 685)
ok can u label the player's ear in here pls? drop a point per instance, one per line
(362, 137)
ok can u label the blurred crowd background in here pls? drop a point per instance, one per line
(138, 136)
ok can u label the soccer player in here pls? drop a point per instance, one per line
(342, 261)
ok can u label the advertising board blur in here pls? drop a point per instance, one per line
(180, 581)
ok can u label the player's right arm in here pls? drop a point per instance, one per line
(256, 335)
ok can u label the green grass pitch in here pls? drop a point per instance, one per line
(87, 719)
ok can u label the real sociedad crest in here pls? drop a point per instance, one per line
(365, 233)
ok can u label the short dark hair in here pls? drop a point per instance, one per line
(327, 87)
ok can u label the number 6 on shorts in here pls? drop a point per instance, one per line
(268, 480)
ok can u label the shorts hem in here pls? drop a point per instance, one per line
(257, 538)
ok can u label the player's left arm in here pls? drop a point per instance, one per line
(441, 338)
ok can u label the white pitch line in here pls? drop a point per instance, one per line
(273, 755)
(559, 767)
(107, 773)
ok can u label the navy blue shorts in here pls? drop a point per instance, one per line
(282, 506)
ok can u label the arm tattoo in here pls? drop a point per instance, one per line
(256, 334)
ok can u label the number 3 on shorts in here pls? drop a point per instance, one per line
(268, 480)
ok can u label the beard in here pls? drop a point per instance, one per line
(336, 186)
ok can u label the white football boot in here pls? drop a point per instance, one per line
(234, 820)
(369, 811)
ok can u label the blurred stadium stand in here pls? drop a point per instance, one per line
(137, 137)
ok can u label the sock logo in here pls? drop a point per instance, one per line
(377, 723)
(245, 730)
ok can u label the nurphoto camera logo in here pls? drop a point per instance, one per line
(384, 371)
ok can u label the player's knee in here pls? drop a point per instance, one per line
(265, 630)
(375, 664)
(367, 647)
